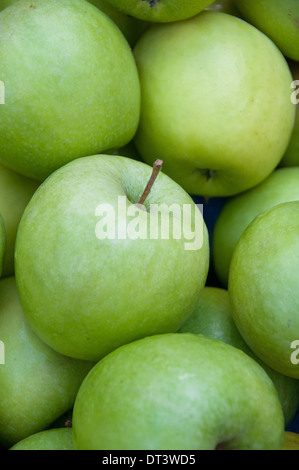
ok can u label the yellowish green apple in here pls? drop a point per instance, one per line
(160, 11)
(213, 318)
(237, 213)
(177, 392)
(207, 106)
(75, 90)
(37, 384)
(95, 269)
(263, 287)
(50, 439)
(278, 19)
(6, 3)
(131, 27)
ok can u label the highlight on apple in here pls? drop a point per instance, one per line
(2, 353)
(295, 354)
(2, 92)
(156, 221)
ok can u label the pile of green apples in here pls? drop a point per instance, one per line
(149, 343)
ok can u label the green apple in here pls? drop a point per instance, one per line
(263, 286)
(224, 6)
(131, 27)
(177, 392)
(160, 11)
(278, 19)
(213, 318)
(6, 3)
(291, 441)
(237, 213)
(96, 270)
(291, 157)
(207, 107)
(15, 193)
(2, 244)
(50, 439)
(71, 87)
(37, 384)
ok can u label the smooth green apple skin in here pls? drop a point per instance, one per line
(74, 92)
(85, 296)
(131, 27)
(207, 107)
(213, 318)
(278, 19)
(50, 439)
(291, 157)
(237, 213)
(15, 193)
(2, 244)
(160, 11)
(177, 391)
(37, 384)
(263, 286)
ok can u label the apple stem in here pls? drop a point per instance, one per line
(156, 170)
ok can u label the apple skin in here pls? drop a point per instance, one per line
(15, 193)
(291, 157)
(160, 11)
(213, 318)
(228, 134)
(6, 3)
(2, 244)
(85, 296)
(263, 286)
(277, 19)
(75, 93)
(50, 439)
(37, 384)
(131, 27)
(237, 213)
(220, 398)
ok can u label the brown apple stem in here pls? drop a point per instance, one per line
(156, 170)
